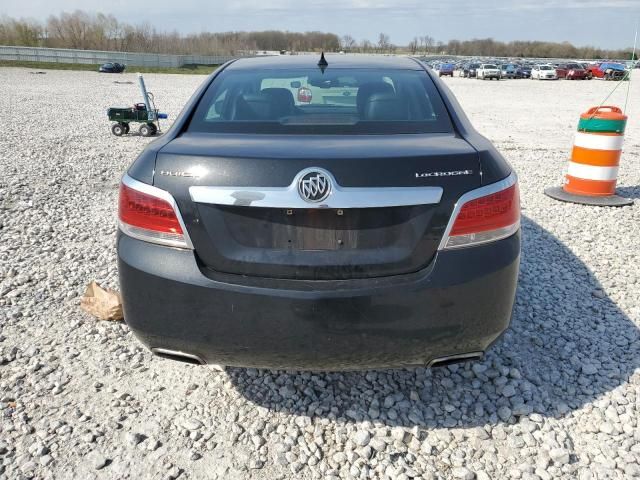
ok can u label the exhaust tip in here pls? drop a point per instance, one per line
(178, 356)
(451, 359)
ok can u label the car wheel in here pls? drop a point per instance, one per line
(117, 129)
(145, 130)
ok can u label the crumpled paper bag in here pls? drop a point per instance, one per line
(102, 303)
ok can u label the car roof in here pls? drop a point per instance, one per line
(277, 62)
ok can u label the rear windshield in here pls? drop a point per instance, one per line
(342, 101)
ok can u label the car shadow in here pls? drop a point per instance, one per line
(566, 347)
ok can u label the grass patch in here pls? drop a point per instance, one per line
(187, 69)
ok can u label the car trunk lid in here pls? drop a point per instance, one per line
(325, 240)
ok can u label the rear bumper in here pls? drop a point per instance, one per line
(460, 304)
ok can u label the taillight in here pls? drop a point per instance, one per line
(305, 95)
(485, 215)
(149, 213)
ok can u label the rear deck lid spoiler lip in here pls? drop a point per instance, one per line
(338, 198)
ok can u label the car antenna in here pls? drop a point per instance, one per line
(323, 64)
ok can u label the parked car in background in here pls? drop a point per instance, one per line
(508, 70)
(608, 70)
(470, 70)
(264, 231)
(575, 71)
(488, 71)
(561, 69)
(543, 72)
(445, 69)
(586, 67)
(112, 67)
(524, 71)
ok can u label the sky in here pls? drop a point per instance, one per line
(601, 23)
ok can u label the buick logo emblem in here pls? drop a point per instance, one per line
(314, 186)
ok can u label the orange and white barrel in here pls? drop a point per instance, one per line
(595, 158)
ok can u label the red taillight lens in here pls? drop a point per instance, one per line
(494, 211)
(145, 211)
(486, 219)
(148, 217)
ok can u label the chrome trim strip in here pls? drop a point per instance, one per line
(472, 195)
(340, 197)
(164, 195)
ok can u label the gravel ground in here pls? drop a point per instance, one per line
(559, 396)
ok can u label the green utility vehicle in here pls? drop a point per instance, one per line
(140, 113)
(136, 114)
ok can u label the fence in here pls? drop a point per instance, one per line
(63, 55)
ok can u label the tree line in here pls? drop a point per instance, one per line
(80, 30)
(532, 49)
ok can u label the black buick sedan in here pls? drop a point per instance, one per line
(322, 215)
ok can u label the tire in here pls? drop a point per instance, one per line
(126, 127)
(154, 129)
(145, 130)
(117, 129)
